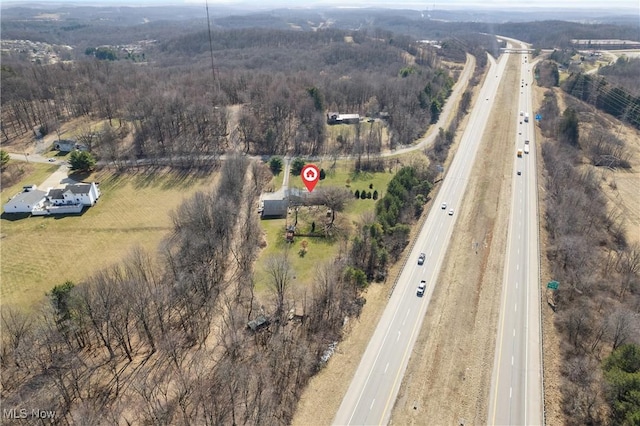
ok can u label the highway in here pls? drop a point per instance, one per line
(374, 387)
(516, 385)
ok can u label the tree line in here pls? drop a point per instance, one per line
(596, 305)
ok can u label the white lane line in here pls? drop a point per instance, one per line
(387, 366)
(518, 267)
(406, 316)
(430, 253)
(516, 285)
(512, 360)
(515, 308)
(514, 332)
(399, 333)
(371, 406)
(518, 251)
(510, 391)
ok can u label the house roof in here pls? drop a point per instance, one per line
(29, 197)
(56, 194)
(79, 188)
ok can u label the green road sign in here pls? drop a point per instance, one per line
(553, 285)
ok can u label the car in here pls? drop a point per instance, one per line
(52, 160)
(444, 206)
(519, 172)
(421, 259)
(451, 212)
(421, 288)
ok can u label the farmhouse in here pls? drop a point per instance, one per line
(70, 199)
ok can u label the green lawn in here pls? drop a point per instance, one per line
(319, 250)
(40, 252)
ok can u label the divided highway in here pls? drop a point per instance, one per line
(516, 385)
(374, 387)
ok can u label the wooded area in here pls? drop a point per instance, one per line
(284, 82)
(597, 302)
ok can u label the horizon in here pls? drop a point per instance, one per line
(504, 5)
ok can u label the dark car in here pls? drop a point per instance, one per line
(421, 287)
(421, 259)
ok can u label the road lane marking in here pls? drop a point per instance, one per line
(515, 308)
(406, 316)
(398, 338)
(518, 267)
(514, 332)
(516, 285)
(385, 368)
(510, 391)
(511, 359)
(372, 402)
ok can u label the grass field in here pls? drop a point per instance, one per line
(40, 252)
(319, 250)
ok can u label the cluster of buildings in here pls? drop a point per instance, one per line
(68, 200)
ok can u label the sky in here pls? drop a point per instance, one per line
(408, 4)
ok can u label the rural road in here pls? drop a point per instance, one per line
(516, 385)
(373, 390)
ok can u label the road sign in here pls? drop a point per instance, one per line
(553, 285)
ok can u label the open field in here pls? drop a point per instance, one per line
(40, 252)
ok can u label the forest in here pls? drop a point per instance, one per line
(596, 306)
(181, 106)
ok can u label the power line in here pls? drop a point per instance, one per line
(213, 68)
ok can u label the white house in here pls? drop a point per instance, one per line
(70, 199)
(26, 201)
(81, 193)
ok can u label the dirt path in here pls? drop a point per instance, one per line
(449, 374)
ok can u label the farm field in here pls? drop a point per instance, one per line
(134, 210)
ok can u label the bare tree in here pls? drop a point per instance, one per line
(280, 274)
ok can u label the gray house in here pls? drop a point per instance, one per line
(276, 204)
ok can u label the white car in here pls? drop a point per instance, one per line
(421, 287)
(444, 206)
(451, 212)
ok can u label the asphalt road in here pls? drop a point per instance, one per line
(373, 390)
(516, 385)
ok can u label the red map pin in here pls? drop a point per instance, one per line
(310, 176)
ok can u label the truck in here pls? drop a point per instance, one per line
(526, 149)
(519, 152)
(526, 117)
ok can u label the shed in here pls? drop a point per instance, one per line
(260, 322)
